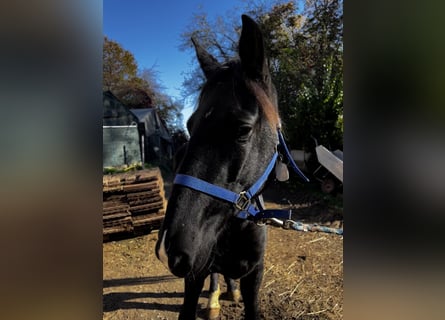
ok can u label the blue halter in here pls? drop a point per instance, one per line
(243, 200)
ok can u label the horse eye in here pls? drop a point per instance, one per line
(244, 132)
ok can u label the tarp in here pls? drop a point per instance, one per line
(121, 139)
(120, 146)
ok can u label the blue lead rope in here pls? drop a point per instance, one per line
(299, 226)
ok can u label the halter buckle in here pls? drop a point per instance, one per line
(243, 202)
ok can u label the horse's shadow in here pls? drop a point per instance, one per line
(122, 300)
(137, 281)
(113, 301)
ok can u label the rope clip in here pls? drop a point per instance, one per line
(287, 224)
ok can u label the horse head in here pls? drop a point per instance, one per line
(233, 137)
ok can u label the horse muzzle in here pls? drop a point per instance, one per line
(177, 260)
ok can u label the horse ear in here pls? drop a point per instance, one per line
(251, 49)
(208, 63)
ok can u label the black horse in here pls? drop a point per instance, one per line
(232, 146)
(213, 306)
(234, 294)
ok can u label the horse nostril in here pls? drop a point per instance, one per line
(180, 264)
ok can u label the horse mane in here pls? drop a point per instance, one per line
(269, 109)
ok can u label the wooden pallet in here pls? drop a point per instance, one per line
(133, 201)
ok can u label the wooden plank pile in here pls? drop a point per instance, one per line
(133, 201)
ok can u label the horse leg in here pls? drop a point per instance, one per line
(232, 289)
(192, 290)
(214, 292)
(250, 286)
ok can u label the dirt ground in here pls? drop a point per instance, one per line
(303, 274)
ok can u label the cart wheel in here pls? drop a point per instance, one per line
(328, 185)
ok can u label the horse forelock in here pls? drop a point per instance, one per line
(268, 107)
(232, 71)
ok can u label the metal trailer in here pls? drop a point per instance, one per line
(330, 171)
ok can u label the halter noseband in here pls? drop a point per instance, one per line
(243, 200)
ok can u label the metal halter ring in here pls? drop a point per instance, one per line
(243, 202)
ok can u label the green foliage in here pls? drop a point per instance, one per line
(119, 65)
(121, 169)
(307, 66)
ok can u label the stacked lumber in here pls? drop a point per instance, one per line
(133, 201)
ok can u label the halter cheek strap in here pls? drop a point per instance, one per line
(243, 200)
(289, 157)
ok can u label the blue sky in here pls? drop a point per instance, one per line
(151, 30)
